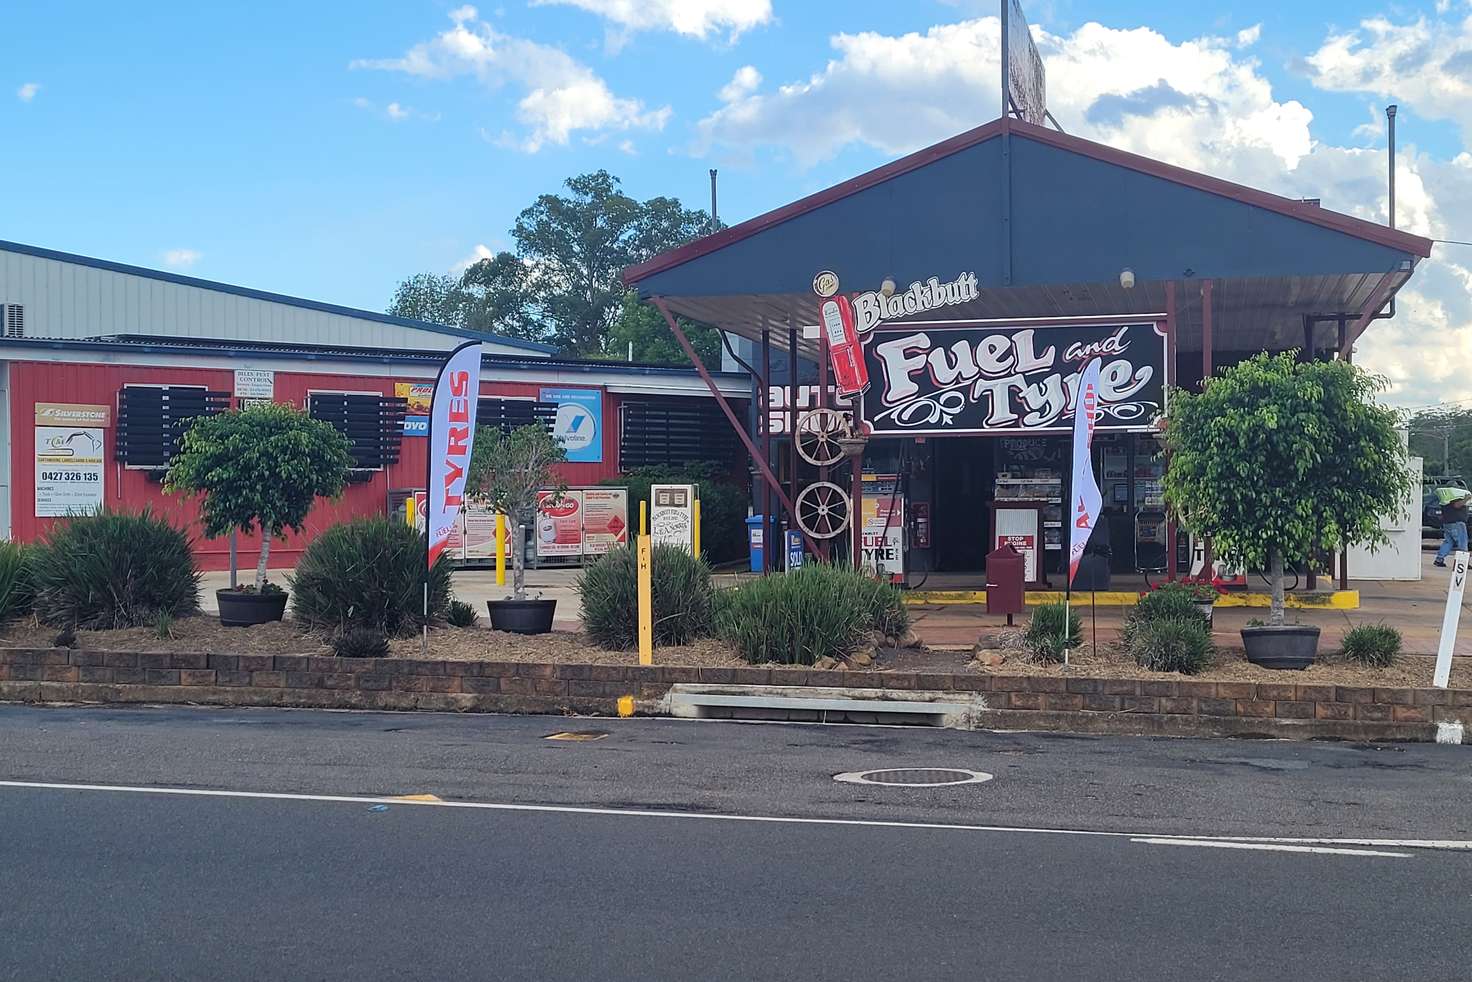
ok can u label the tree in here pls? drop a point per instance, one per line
(506, 472)
(427, 297)
(1444, 438)
(578, 245)
(259, 468)
(493, 296)
(643, 326)
(1275, 459)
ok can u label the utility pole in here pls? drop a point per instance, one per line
(715, 220)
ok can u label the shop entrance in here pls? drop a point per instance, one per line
(964, 476)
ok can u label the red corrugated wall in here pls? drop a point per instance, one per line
(33, 382)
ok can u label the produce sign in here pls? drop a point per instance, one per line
(986, 378)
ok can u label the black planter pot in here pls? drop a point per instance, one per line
(1289, 646)
(238, 609)
(522, 616)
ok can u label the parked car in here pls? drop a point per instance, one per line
(1430, 514)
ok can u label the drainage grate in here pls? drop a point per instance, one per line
(578, 736)
(915, 777)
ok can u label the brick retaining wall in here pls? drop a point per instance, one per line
(1014, 701)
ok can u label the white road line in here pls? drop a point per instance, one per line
(1268, 847)
(1437, 844)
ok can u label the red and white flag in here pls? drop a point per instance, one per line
(451, 437)
(1085, 503)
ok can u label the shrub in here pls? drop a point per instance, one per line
(259, 468)
(360, 642)
(1045, 638)
(506, 472)
(369, 572)
(461, 614)
(15, 580)
(1171, 602)
(1372, 645)
(681, 595)
(818, 611)
(1171, 645)
(113, 569)
(722, 504)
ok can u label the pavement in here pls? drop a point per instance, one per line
(269, 844)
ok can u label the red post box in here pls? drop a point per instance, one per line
(1005, 573)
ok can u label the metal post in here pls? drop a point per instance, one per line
(1348, 350)
(856, 509)
(1171, 324)
(822, 402)
(792, 459)
(730, 414)
(1207, 367)
(768, 522)
(1390, 130)
(715, 221)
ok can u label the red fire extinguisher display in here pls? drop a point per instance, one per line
(845, 352)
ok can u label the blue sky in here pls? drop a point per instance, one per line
(256, 144)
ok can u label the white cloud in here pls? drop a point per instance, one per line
(481, 251)
(394, 112)
(1201, 103)
(563, 96)
(1249, 36)
(182, 258)
(691, 18)
(28, 91)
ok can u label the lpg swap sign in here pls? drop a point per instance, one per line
(451, 437)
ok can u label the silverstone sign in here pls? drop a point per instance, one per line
(995, 378)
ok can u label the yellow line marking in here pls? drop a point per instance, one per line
(1336, 600)
(416, 797)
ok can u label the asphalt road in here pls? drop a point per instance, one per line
(752, 867)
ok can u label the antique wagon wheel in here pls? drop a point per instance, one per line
(823, 510)
(819, 436)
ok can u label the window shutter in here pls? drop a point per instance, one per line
(15, 320)
(674, 431)
(508, 414)
(373, 424)
(152, 419)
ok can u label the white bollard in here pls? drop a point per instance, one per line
(1449, 621)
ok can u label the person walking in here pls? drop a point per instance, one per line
(1453, 526)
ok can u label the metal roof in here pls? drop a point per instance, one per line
(1047, 222)
(241, 291)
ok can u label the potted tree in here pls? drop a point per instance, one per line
(1273, 459)
(506, 472)
(258, 469)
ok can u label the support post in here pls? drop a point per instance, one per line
(1172, 325)
(767, 517)
(856, 509)
(822, 403)
(1207, 367)
(1346, 347)
(730, 414)
(792, 459)
(501, 549)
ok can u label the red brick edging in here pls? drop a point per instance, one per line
(1027, 701)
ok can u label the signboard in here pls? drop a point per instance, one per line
(69, 470)
(807, 398)
(795, 554)
(1018, 528)
(254, 387)
(72, 414)
(560, 526)
(579, 422)
(417, 396)
(478, 534)
(997, 378)
(1024, 84)
(605, 519)
(882, 538)
(671, 514)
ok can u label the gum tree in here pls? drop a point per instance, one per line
(506, 472)
(1275, 459)
(260, 468)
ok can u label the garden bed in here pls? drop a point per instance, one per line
(194, 634)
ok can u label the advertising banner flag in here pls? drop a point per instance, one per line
(1085, 501)
(451, 437)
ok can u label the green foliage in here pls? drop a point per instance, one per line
(1172, 644)
(681, 595)
(814, 612)
(368, 572)
(1275, 458)
(359, 641)
(163, 626)
(643, 326)
(1045, 638)
(1372, 645)
(722, 504)
(491, 295)
(1444, 438)
(1171, 601)
(113, 569)
(506, 472)
(461, 614)
(15, 579)
(259, 468)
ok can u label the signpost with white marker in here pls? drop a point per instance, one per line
(1449, 621)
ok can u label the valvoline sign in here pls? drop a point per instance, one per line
(579, 422)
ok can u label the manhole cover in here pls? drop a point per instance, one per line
(915, 777)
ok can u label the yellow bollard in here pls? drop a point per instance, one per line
(695, 527)
(409, 509)
(500, 549)
(646, 602)
(643, 518)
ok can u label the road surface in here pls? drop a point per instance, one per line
(221, 844)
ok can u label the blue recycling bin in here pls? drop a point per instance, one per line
(755, 541)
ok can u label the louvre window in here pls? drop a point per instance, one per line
(508, 414)
(373, 424)
(675, 431)
(15, 320)
(152, 419)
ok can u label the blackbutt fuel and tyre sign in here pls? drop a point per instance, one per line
(965, 379)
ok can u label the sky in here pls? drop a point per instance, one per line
(327, 150)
